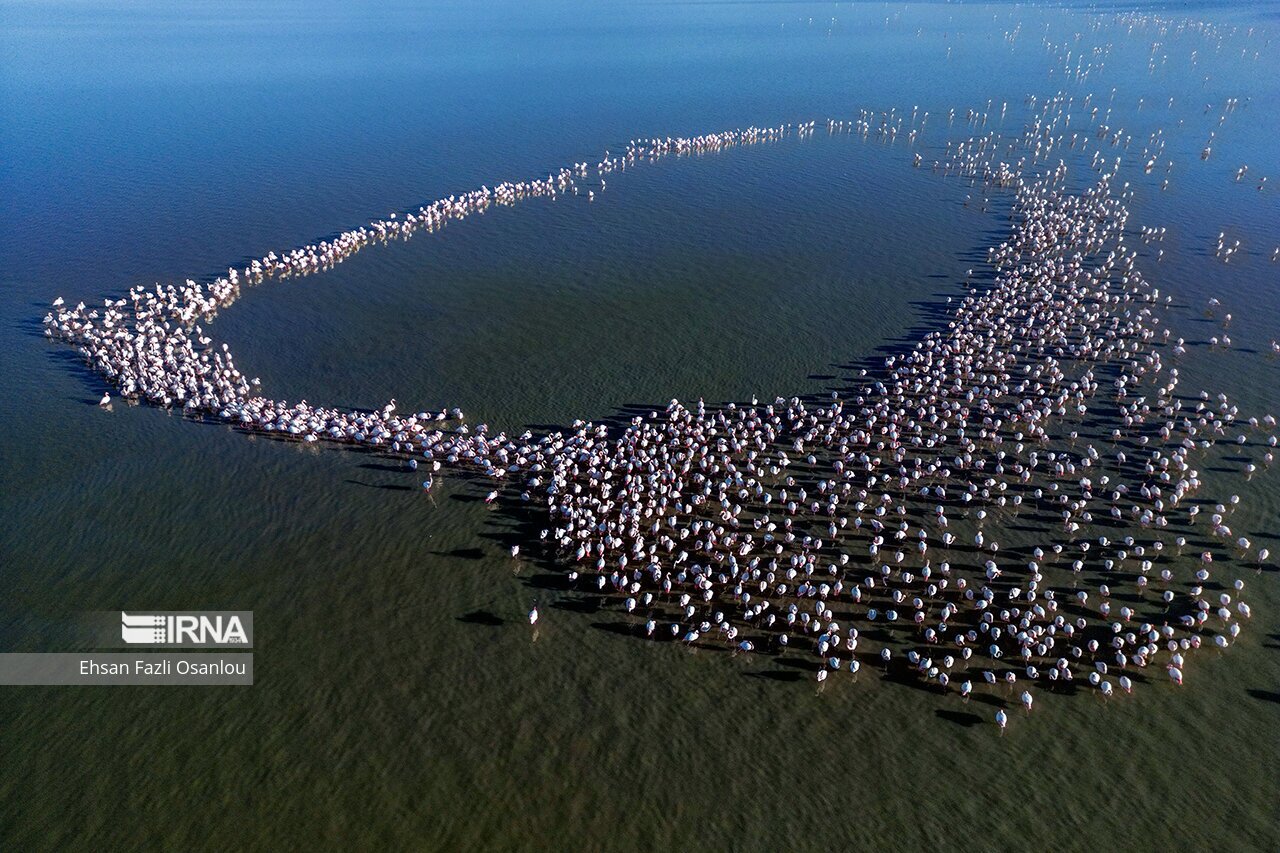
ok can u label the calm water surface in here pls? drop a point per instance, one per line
(399, 699)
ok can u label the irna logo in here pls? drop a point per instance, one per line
(210, 628)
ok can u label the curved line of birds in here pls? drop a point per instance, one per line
(781, 527)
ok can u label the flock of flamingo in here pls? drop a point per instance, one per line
(1014, 504)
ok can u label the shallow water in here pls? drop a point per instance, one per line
(400, 700)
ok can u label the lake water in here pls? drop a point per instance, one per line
(400, 700)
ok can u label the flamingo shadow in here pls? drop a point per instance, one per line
(482, 617)
(960, 718)
(390, 486)
(773, 675)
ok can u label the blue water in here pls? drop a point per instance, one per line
(399, 701)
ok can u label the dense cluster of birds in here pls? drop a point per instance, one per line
(817, 526)
(863, 528)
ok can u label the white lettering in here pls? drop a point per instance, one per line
(186, 626)
(92, 667)
(235, 632)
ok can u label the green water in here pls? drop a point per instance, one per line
(400, 699)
